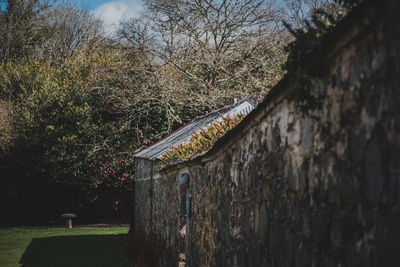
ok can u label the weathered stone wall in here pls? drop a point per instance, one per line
(156, 207)
(165, 215)
(306, 179)
(142, 218)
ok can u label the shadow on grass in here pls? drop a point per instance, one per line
(77, 251)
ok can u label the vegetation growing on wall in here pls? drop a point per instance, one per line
(305, 49)
(306, 53)
(202, 141)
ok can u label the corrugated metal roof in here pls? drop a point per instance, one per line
(183, 134)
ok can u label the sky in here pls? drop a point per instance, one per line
(112, 12)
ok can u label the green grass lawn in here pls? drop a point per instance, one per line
(77, 247)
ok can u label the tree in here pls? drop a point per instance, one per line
(206, 32)
(203, 54)
(22, 28)
(58, 123)
(72, 29)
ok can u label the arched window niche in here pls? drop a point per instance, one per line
(184, 209)
(183, 198)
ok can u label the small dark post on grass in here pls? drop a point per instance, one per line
(69, 217)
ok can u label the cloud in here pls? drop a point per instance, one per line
(115, 11)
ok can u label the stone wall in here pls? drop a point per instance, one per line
(142, 218)
(307, 179)
(156, 207)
